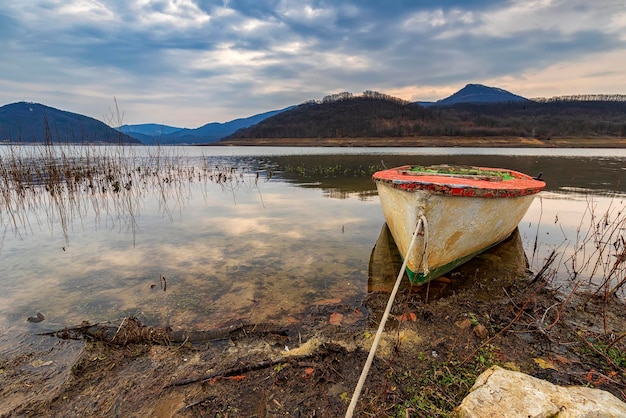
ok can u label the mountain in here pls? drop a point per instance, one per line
(475, 111)
(477, 93)
(148, 133)
(384, 117)
(372, 114)
(211, 132)
(34, 122)
(153, 129)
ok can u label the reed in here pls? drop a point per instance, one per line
(593, 261)
(56, 184)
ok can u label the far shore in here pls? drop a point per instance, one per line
(387, 142)
(477, 142)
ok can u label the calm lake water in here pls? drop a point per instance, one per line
(284, 228)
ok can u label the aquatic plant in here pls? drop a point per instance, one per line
(63, 182)
(594, 259)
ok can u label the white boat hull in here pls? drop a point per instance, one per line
(459, 227)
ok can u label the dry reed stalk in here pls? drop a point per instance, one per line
(65, 182)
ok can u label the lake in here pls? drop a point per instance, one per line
(198, 237)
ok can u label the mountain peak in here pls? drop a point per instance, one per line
(478, 93)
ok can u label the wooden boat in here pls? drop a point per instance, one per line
(466, 210)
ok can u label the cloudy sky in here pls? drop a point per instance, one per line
(189, 62)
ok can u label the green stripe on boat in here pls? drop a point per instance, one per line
(420, 278)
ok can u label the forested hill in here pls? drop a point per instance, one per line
(384, 116)
(25, 122)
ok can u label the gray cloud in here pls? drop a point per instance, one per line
(235, 58)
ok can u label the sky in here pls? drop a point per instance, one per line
(185, 63)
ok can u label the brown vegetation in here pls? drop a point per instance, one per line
(370, 116)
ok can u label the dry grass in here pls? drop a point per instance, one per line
(57, 183)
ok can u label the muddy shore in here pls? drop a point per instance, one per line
(478, 142)
(440, 338)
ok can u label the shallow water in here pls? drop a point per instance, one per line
(293, 227)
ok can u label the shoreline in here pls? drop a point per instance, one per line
(383, 142)
(443, 142)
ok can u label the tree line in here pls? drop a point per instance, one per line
(376, 115)
(583, 98)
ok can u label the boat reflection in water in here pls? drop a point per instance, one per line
(486, 274)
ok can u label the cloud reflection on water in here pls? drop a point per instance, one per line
(261, 251)
(276, 249)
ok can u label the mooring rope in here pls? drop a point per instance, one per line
(421, 224)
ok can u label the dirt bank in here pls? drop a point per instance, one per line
(440, 337)
(481, 142)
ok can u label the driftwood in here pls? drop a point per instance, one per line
(132, 331)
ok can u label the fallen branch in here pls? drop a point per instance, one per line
(132, 331)
(234, 371)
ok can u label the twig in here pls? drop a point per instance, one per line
(118, 329)
(233, 371)
(616, 340)
(488, 341)
(607, 358)
(543, 318)
(545, 267)
(559, 311)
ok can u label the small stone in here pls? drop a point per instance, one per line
(37, 318)
(481, 332)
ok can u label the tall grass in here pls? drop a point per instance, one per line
(60, 183)
(593, 260)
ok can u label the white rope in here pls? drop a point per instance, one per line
(421, 223)
(425, 253)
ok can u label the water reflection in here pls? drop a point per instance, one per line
(581, 215)
(284, 232)
(586, 232)
(261, 254)
(341, 175)
(487, 274)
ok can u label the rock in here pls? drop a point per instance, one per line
(481, 332)
(35, 319)
(499, 392)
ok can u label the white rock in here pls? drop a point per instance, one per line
(506, 393)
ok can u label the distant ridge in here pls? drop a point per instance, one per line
(25, 122)
(478, 93)
(211, 132)
(147, 133)
(475, 111)
(153, 129)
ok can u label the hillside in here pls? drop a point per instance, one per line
(488, 114)
(32, 122)
(385, 117)
(349, 117)
(211, 132)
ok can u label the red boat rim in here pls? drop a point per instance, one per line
(459, 181)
